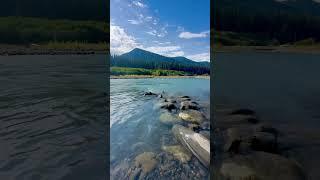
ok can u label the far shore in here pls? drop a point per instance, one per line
(65, 49)
(269, 49)
(150, 76)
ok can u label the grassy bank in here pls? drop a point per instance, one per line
(25, 30)
(124, 71)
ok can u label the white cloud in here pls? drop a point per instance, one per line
(135, 22)
(152, 32)
(189, 35)
(120, 41)
(139, 4)
(166, 50)
(148, 18)
(200, 57)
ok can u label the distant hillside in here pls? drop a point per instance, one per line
(139, 58)
(266, 22)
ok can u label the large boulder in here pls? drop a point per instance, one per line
(260, 166)
(194, 142)
(192, 116)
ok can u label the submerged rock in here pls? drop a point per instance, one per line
(194, 142)
(243, 139)
(149, 94)
(192, 116)
(178, 152)
(260, 166)
(169, 118)
(147, 161)
(185, 105)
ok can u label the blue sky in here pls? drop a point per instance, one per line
(167, 27)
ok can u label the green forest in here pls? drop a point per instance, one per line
(265, 22)
(57, 22)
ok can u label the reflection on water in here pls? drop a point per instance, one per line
(52, 117)
(135, 126)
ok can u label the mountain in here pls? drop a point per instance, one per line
(138, 58)
(283, 21)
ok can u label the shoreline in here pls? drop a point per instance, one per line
(19, 50)
(268, 49)
(33, 49)
(149, 77)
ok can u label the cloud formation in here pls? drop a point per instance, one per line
(120, 41)
(189, 35)
(200, 57)
(139, 4)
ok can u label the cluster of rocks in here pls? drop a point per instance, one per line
(249, 149)
(188, 158)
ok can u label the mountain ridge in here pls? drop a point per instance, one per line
(139, 58)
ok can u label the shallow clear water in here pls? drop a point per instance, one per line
(135, 125)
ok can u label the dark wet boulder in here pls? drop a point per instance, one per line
(194, 142)
(260, 166)
(170, 100)
(185, 105)
(243, 112)
(149, 94)
(168, 105)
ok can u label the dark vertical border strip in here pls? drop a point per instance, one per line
(107, 136)
(212, 75)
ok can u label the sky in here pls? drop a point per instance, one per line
(167, 27)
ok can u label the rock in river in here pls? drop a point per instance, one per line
(169, 118)
(149, 94)
(168, 105)
(185, 105)
(178, 152)
(192, 116)
(194, 142)
(260, 166)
